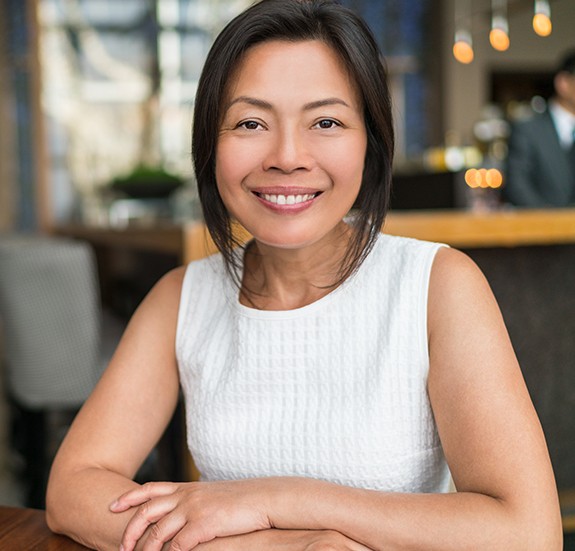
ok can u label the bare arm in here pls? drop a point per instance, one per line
(285, 540)
(119, 425)
(493, 442)
(492, 439)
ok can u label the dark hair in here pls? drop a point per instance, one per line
(351, 39)
(567, 63)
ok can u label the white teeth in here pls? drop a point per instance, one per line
(288, 199)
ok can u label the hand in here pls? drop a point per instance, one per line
(284, 540)
(189, 514)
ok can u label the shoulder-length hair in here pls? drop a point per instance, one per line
(349, 36)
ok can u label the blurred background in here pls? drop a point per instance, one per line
(96, 100)
(94, 89)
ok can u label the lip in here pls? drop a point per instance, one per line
(286, 199)
(285, 190)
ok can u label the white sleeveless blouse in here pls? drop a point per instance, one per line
(336, 390)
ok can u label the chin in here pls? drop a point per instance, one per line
(294, 236)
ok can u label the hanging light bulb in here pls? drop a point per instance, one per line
(542, 18)
(499, 34)
(463, 47)
(463, 44)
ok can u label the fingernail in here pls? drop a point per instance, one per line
(112, 507)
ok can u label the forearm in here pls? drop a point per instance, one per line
(78, 506)
(394, 521)
(283, 540)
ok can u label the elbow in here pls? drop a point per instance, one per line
(53, 515)
(55, 509)
(51, 521)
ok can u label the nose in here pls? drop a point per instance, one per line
(288, 152)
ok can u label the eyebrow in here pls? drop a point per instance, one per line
(268, 106)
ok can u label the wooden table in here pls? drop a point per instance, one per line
(26, 530)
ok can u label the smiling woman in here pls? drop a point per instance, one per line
(353, 65)
(335, 379)
(293, 129)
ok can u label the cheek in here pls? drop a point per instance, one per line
(234, 161)
(228, 167)
(347, 160)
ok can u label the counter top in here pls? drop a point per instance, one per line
(508, 228)
(164, 238)
(461, 229)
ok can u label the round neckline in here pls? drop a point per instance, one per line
(248, 311)
(255, 313)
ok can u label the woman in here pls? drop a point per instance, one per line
(331, 374)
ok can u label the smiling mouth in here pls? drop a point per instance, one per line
(287, 199)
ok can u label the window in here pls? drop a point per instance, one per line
(119, 81)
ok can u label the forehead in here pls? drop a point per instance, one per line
(307, 66)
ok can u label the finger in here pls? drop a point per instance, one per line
(163, 531)
(190, 538)
(140, 495)
(148, 513)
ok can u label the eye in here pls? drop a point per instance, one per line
(327, 124)
(250, 125)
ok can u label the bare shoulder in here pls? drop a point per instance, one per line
(458, 288)
(170, 284)
(464, 317)
(165, 295)
(454, 270)
(152, 328)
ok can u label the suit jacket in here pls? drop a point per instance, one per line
(539, 170)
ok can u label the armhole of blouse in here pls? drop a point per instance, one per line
(183, 306)
(425, 275)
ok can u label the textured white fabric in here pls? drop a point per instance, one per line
(335, 390)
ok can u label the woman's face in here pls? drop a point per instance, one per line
(292, 144)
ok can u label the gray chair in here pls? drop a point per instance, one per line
(52, 321)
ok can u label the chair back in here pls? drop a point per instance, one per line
(50, 314)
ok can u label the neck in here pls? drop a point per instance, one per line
(285, 279)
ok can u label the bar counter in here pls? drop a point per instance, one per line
(460, 229)
(457, 228)
(508, 228)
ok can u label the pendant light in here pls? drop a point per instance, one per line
(499, 34)
(463, 43)
(542, 18)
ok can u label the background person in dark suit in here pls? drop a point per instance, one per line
(541, 158)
